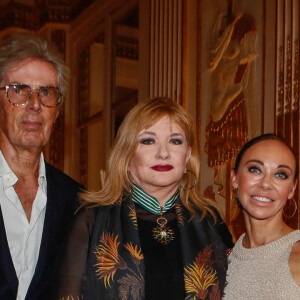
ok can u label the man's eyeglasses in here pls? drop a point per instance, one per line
(19, 94)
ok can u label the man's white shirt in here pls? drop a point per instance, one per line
(23, 236)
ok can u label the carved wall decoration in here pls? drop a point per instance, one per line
(233, 52)
(231, 55)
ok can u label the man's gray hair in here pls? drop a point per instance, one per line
(20, 46)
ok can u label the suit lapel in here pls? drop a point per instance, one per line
(52, 227)
(8, 277)
(52, 214)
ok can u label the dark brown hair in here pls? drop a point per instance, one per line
(260, 138)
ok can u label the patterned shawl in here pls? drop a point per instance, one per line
(115, 267)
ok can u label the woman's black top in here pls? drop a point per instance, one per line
(112, 254)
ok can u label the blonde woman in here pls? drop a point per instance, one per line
(149, 234)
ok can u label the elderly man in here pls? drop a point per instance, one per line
(37, 201)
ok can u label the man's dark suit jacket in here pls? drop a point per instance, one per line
(62, 201)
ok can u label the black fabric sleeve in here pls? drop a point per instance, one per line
(72, 270)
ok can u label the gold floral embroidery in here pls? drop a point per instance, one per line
(200, 275)
(109, 262)
(132, 215)
(136, 254)
(108, 258)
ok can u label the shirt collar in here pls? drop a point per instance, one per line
(149, 202)
(4, 167)
(11, 178)
(42, 172)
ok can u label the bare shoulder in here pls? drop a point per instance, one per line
(294, 262)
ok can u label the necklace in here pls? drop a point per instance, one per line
(161, 232)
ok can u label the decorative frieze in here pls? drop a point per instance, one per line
(31, 17)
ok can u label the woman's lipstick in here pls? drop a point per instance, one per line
(162, 168)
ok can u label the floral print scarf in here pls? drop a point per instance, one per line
(115, 267)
